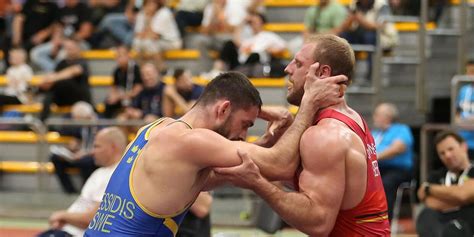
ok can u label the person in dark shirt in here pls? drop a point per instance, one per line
(74, 22)
(181, 96)
(35, 23)
(70, 83)
(449, 193)
(148, 103)
(127, 83)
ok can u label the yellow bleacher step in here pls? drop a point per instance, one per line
(25, 167)
(93, 80)
(299, 27)
(303, 3)
(106, 54)
(31, 137)
(96, 81)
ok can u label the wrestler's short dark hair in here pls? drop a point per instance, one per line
(232, 86)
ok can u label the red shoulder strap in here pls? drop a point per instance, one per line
(353, 125)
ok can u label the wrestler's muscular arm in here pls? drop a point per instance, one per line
(280, 161)
(312, 210)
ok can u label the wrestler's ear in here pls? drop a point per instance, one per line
(223, 109)
(324, 71)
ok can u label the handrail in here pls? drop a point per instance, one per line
(425, 164)
(462, 36)
(421, 70)
(89, 123)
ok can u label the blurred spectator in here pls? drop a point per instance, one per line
(119, 25)
(254, 50)
(147, 104)
(361, 24)
(465, 108)
(394, 144)
(219, 24)
(197, 223)
(181, 96)
(19, 74)
(70, 83)
(127, 83)
(77, 152)
(74, 22)
(35, 23)
(222, 21)
(189, 13)
(6, 12)
(325, 18)
(109, 145)
(155, 32)
(449, 193)
(101, 8)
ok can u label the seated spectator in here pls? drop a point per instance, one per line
(181, 96)
(70, 83)
(74, 22)
(465, 108)
(257, 49)
(35, 23)
(394, 144)
(119, 25)
(19, 74)
(189, 13)
(101, 8)
(223, 20)
(109, 145)
(7, 11)
(147, 105)
(197, 223)
(449, 193)
(361, 24)
(77, 152)
(155, 32)
(325, 18)
(127, 83)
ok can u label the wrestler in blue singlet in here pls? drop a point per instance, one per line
(120, 213)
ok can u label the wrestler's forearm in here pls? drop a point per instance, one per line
(282, 161)
(297, 209)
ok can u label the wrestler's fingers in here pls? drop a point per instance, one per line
(313, 68)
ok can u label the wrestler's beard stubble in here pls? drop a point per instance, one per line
(224, 129)
(294, 97)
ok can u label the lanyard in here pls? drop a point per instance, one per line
(450, 175)
(379, 137)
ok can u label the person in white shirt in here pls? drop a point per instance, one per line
(19, 74)
(109, 145)
(257, 48)
(155, 31)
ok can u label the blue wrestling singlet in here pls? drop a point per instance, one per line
(120, 213)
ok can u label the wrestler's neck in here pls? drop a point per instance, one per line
(340, 107)
(198, 118)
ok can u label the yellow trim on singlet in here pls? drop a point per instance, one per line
(152, 125)
(376, 219)
(171, 224)
(130, 182)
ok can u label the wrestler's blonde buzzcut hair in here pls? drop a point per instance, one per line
(335, 52)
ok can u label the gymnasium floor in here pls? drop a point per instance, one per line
(26, 214)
